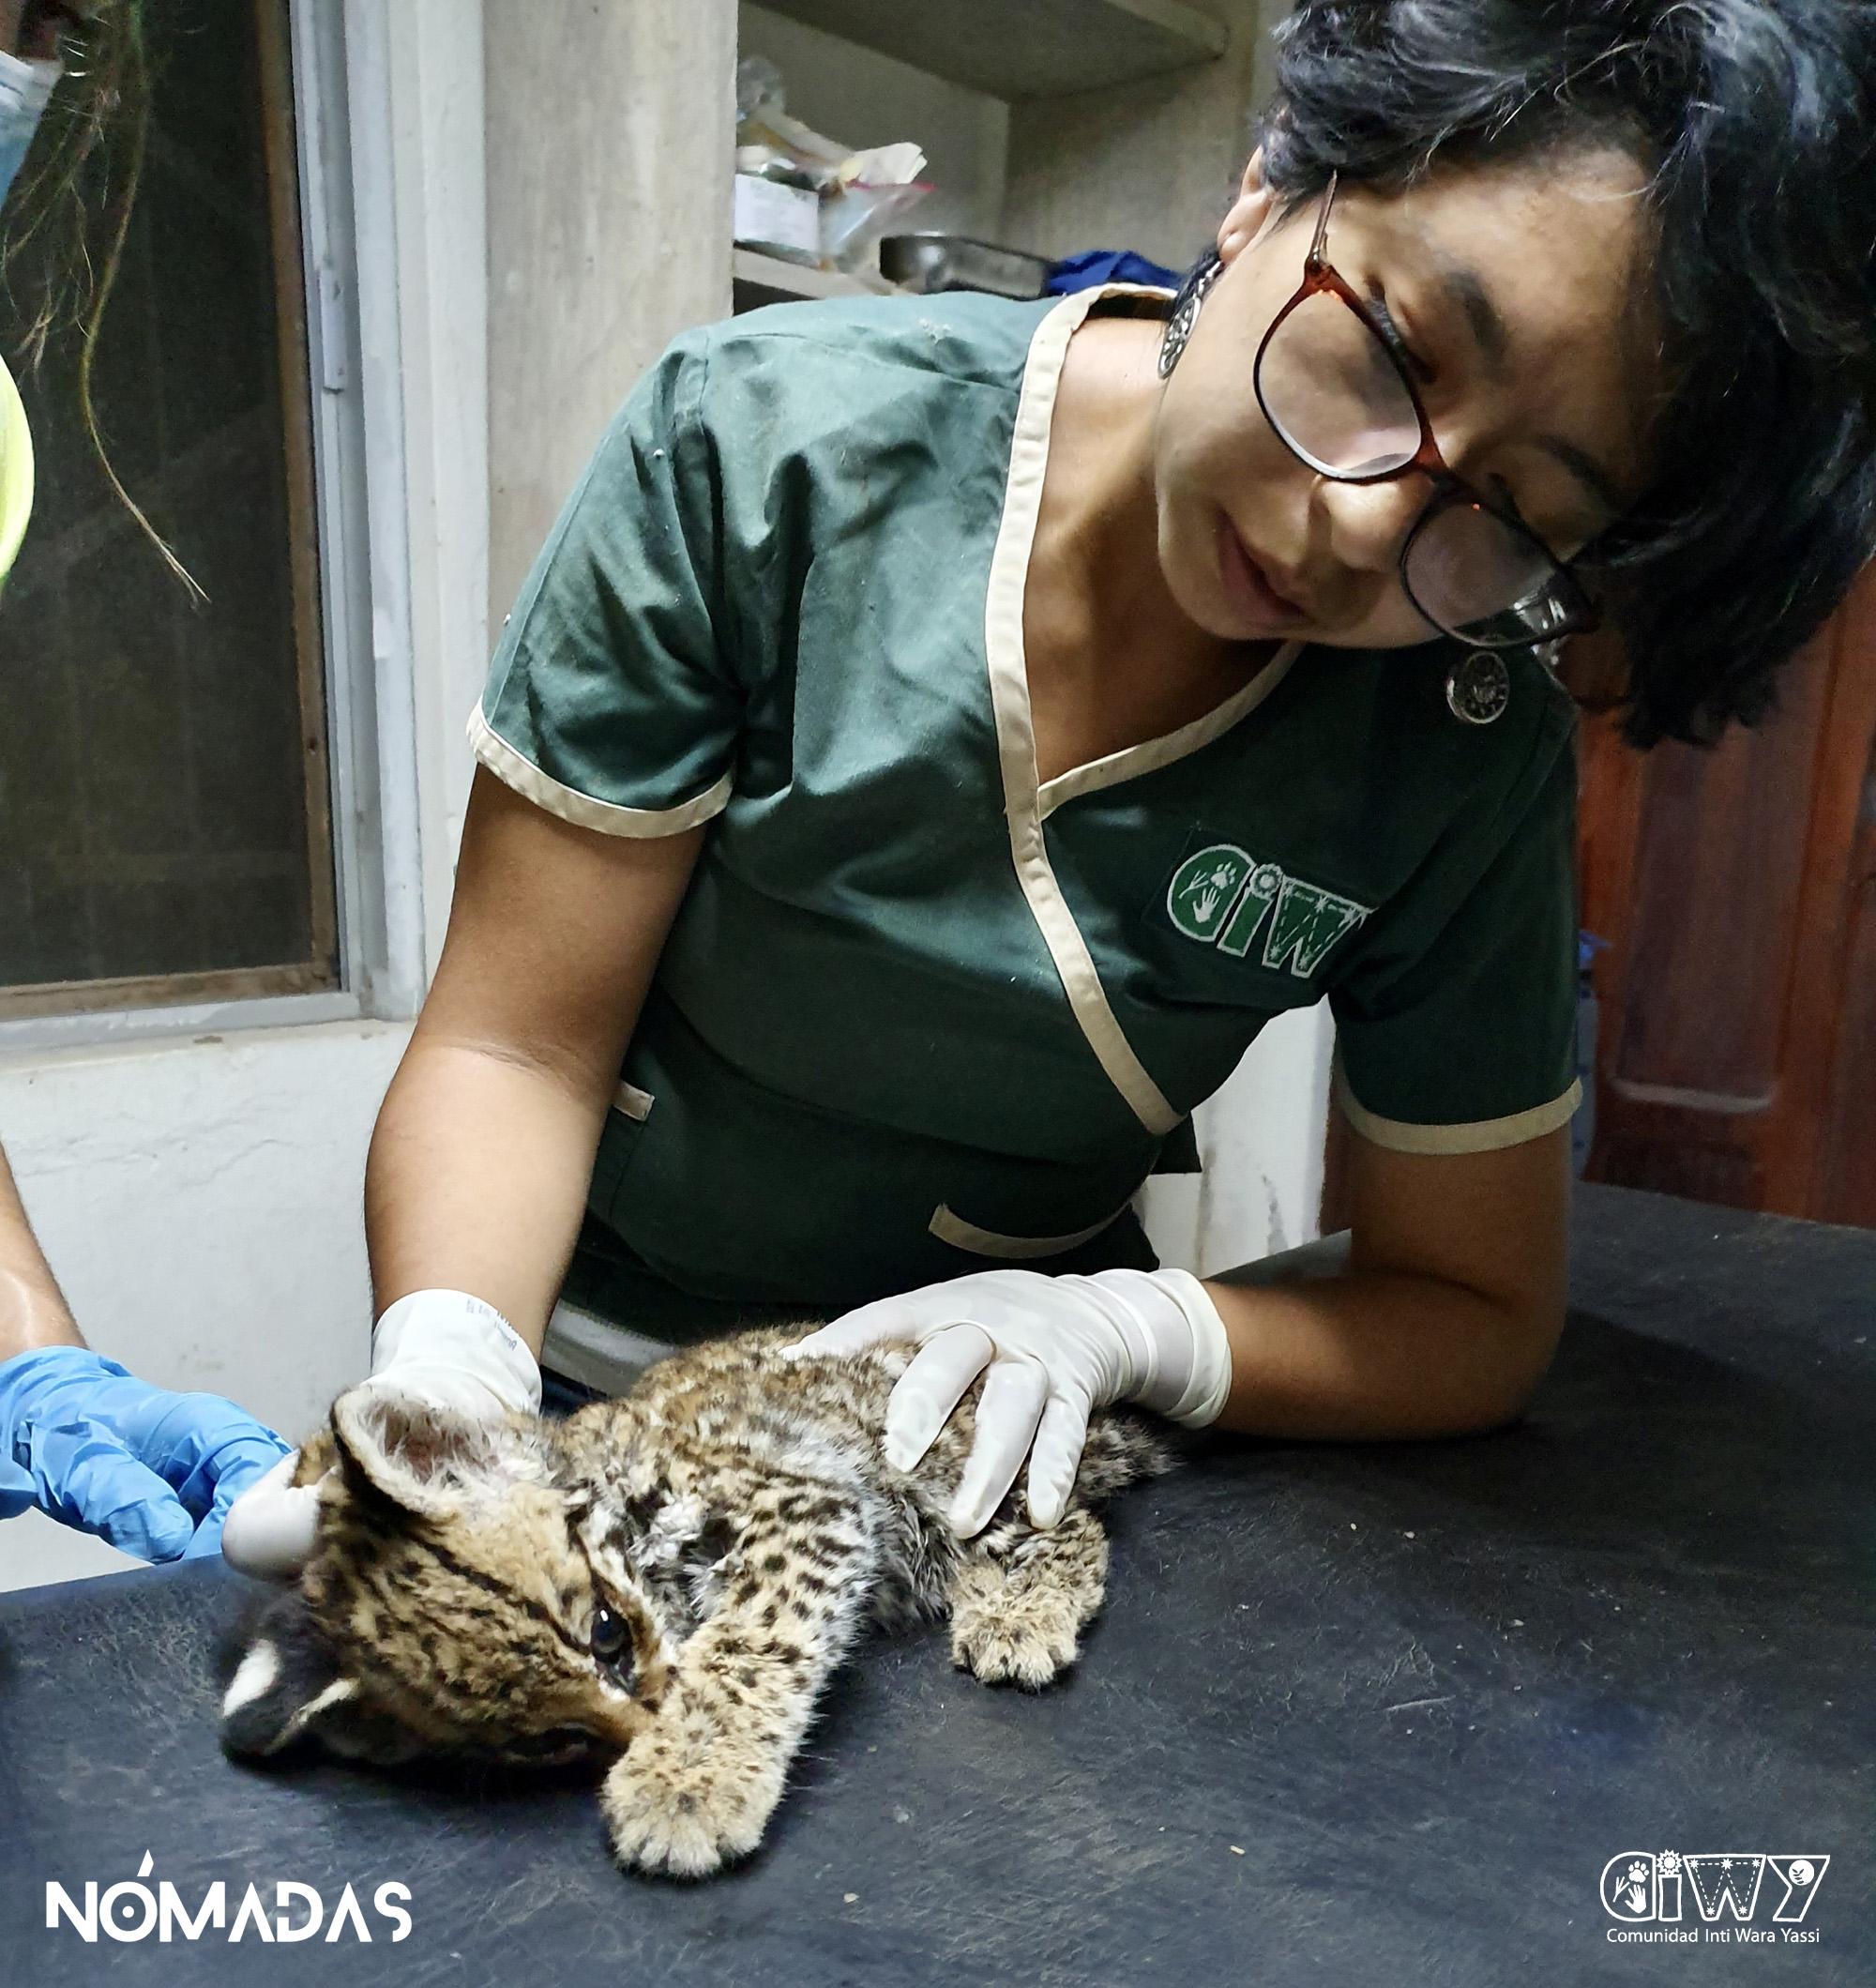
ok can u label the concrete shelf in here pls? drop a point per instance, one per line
(772, 272)
(757, 279)
(1021, 49)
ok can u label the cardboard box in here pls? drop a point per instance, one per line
(784, 220)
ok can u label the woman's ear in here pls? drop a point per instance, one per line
(1250, 211)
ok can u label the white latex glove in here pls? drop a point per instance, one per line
(1057, 1349)
(443, 1348)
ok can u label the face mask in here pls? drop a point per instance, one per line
(24, 87)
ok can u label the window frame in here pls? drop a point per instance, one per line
(359, 657)
(320, 973)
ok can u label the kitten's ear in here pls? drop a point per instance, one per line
(427, 1459)
(286, 1691)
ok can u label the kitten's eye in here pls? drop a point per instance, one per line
(610, 1638)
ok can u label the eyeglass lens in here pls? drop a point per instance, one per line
(1464, 566)
(1332, 392)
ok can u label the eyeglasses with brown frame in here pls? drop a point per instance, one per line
(1335, 389)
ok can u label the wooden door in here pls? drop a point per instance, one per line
(1737, 890)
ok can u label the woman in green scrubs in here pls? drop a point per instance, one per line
(940, 732)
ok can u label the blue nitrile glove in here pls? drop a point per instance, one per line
(150, 1471)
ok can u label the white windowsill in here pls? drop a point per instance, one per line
(206, 1018)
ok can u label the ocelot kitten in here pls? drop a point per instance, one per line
(666, 1581)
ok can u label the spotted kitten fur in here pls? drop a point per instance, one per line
(665, 1581)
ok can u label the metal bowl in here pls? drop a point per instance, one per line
(930, 263)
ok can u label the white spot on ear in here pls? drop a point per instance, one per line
(259, 1668)
(336, 1693)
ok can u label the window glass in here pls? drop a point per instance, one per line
(163, 815)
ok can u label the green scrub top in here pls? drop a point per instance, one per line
(919, 1014)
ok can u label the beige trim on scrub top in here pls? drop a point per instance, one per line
(963, 1235)
(1483, 1135)
(633, 1102)
(582, 810)
(1156, 752)
(1026, 804)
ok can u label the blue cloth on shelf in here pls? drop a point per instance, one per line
(1095, 266)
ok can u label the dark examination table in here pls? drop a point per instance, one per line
(1351, 1716)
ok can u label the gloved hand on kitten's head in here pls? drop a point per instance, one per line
(92, 1445)
(445, 1348)
(1052, 1350)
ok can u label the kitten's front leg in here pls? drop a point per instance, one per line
(1020, 1598)
(698, 1785)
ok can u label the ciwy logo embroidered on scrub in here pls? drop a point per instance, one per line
(1222, 896)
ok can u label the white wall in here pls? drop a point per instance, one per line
(1261, 1137)
(200, 1204)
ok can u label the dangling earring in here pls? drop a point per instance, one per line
(1478, 688)
(1192, 293)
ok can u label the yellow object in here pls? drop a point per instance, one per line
(16, 471)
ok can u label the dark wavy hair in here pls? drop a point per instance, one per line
(1756, 122)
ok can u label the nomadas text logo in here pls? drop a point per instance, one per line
(132, 1911)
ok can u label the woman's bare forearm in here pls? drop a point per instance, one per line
(33, 1311)
(477, 1180)
(1376, 1356)
(1444, 1317)
(484, 1145)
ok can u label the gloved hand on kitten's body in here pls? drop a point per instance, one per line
(441, 1348)
(153, 1472)
(1052, 1350)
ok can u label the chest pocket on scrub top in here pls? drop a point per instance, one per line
(961, 1235)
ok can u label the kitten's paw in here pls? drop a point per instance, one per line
(686, 1807)
(1006, 1633)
